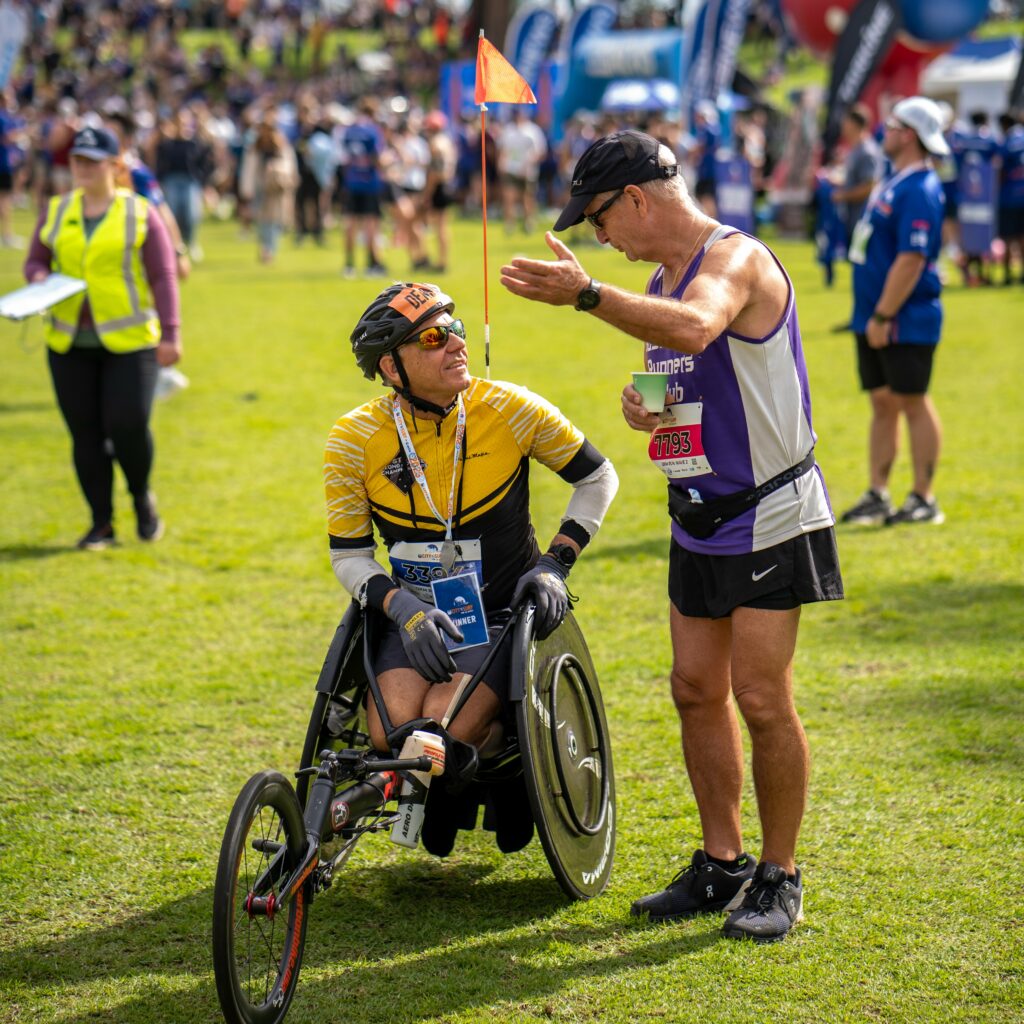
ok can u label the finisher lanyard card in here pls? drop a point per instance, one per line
(460, 599)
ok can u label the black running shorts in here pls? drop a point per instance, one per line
(361, 204)
(391, 654)
(904, 369)
(798, 571)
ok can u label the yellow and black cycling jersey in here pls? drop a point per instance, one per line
(369, 483)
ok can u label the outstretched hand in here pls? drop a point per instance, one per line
(557, 282)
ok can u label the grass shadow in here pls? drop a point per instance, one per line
(436, 932)
(941, 612)
(25, 407)
(29, 552)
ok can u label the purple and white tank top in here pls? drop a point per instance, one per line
(740, 414)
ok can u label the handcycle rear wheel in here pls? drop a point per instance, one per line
(257, 956)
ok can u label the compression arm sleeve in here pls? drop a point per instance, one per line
(361, 575)
(590, 499)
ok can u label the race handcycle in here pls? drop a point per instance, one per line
(284, 844)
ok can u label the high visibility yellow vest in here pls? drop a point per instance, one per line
(110, 263)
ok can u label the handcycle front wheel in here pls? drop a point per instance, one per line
(257, 953)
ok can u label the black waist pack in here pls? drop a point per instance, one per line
(700, 519)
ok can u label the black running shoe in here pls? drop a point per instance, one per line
(98, 538)
(916, 510)
(149, 525)
(872, 509)
(701, 888)
(772, 905)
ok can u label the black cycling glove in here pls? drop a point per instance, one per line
(419, 625)
(545, 582)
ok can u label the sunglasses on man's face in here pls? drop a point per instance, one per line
(437, 336)
(594, 219)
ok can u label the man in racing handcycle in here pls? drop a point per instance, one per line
(440, 465)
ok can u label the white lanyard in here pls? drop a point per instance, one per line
(889, 183)
(448, 549)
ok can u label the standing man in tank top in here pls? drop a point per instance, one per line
(752, 529)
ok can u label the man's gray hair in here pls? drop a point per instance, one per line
(673, 188)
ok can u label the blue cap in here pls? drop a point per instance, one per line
(95, 144)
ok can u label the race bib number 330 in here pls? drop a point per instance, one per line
(676, 446)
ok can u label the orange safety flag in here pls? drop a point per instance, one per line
(496, 80)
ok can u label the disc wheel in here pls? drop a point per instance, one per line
(563, 736)
(257, 956)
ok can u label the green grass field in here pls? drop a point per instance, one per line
(143, 685)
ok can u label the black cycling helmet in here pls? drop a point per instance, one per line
(390, 320)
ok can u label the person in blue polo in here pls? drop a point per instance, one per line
(897, 313)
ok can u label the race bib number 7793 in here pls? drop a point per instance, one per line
(676, 446)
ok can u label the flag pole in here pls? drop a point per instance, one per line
(483, 201)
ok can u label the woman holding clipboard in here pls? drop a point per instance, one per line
(106, 343)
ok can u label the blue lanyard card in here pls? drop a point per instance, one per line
(460, 599)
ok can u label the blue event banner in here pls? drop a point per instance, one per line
(734, 194)
(977, 206)
(460, 599)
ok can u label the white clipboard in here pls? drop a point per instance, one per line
(39, 297)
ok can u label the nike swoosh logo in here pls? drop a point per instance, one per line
(755, 576)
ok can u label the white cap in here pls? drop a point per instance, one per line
(924, 118)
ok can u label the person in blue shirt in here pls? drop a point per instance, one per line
(11, 155)
(1011, 194)
(897, 315)
(362, 145)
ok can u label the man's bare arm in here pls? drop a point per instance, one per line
(715, 299)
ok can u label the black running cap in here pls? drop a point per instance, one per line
(615, 161)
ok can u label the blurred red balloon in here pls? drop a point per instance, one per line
(818, 23)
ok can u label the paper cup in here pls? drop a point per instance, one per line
(652, 388)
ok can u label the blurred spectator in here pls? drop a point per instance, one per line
(268, 180)
(134, 174)
(12, 128)
(362, 145)
(521, 148)
(309, 212)
(862, 168)
(1011, 195)
(439, 192)
(182, 162)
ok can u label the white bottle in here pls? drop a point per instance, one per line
(413, 798)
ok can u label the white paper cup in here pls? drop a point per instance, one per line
(653, 388)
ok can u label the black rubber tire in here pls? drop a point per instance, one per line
(316, 740)
(566, 754)
(256, 960)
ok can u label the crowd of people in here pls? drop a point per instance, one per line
(303, 138)
(976, 143)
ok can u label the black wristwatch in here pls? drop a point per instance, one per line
(881, 318)
(564, 554)
(589, 297)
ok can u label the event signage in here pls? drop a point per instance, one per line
(734, 193)
(1016, 100)
(594, 19)
(863, 45)
(697, 59)
(528, 40)
(730, 35)
(977, 207)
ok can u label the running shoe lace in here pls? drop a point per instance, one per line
(762, 895)
(683, 877)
